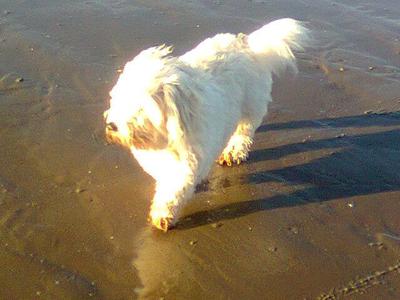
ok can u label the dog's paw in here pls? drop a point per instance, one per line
(163, 224)
(231, 158)
(225, 158)
(162, 218)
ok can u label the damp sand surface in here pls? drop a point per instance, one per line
(313, 214)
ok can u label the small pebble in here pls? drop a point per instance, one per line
(38, 293)
(197, 26)
(79, 190)
(371, 68)
(367, 112)
(250, 228)
(119, 70)
(216, 225)
(341, 69)
(193, 242)
(111, 237)
(351, 205)
(272, 249)
(57, 282)
(6, 12)
(341, 135)
(19, 79)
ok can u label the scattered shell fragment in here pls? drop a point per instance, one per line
(216, 225)
(341, 135)
(79, 190)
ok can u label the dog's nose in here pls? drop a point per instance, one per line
(112, 127)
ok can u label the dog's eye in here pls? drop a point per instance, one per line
(112, 127)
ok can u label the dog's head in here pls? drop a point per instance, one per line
(137, 114)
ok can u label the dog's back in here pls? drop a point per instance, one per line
(272, 44)
(212, 49)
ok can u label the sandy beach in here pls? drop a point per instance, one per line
(313, 214)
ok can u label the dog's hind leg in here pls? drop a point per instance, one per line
(238, 146)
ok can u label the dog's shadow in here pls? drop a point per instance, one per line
(365, 164)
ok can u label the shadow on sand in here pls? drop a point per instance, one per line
(365, 164)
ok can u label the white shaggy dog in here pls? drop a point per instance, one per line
(177, 115)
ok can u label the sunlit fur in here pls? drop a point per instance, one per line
(177, 115)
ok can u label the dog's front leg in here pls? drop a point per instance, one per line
(174, 187)
(167, 203)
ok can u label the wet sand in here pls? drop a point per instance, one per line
(313, 214)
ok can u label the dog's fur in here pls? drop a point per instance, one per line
(177, 115)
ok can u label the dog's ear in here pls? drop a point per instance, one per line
(144, 133)
(160, 101)
(182, 102)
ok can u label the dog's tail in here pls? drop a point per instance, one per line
(276, 41)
